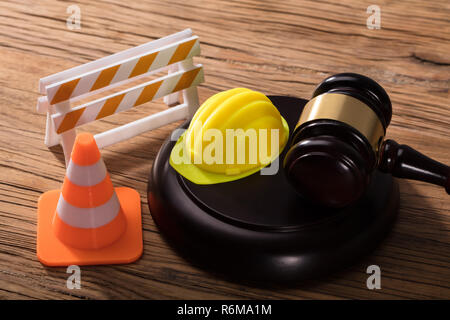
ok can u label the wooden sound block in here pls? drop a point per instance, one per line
(258, 228)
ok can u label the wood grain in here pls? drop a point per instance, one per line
(278, 47)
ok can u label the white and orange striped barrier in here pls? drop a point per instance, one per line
(88, 221)
(173, 54)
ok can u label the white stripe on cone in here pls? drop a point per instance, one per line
(85, 176)
(88, 217)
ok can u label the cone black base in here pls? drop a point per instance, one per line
(258, 228)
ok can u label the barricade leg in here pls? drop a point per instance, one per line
(190, 95)
(67, 139)
(173, 98)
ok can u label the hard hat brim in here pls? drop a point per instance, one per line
(197, 175)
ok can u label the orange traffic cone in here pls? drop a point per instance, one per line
(88, 221)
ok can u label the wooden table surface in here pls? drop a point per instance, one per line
(279, 47)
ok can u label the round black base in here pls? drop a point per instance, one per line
(259, 228)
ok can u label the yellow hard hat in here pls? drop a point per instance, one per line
(232, 135)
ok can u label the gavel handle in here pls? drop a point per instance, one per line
(403, 161)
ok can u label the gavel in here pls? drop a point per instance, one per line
(339, 142)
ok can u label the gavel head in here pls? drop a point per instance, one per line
(335, 145)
